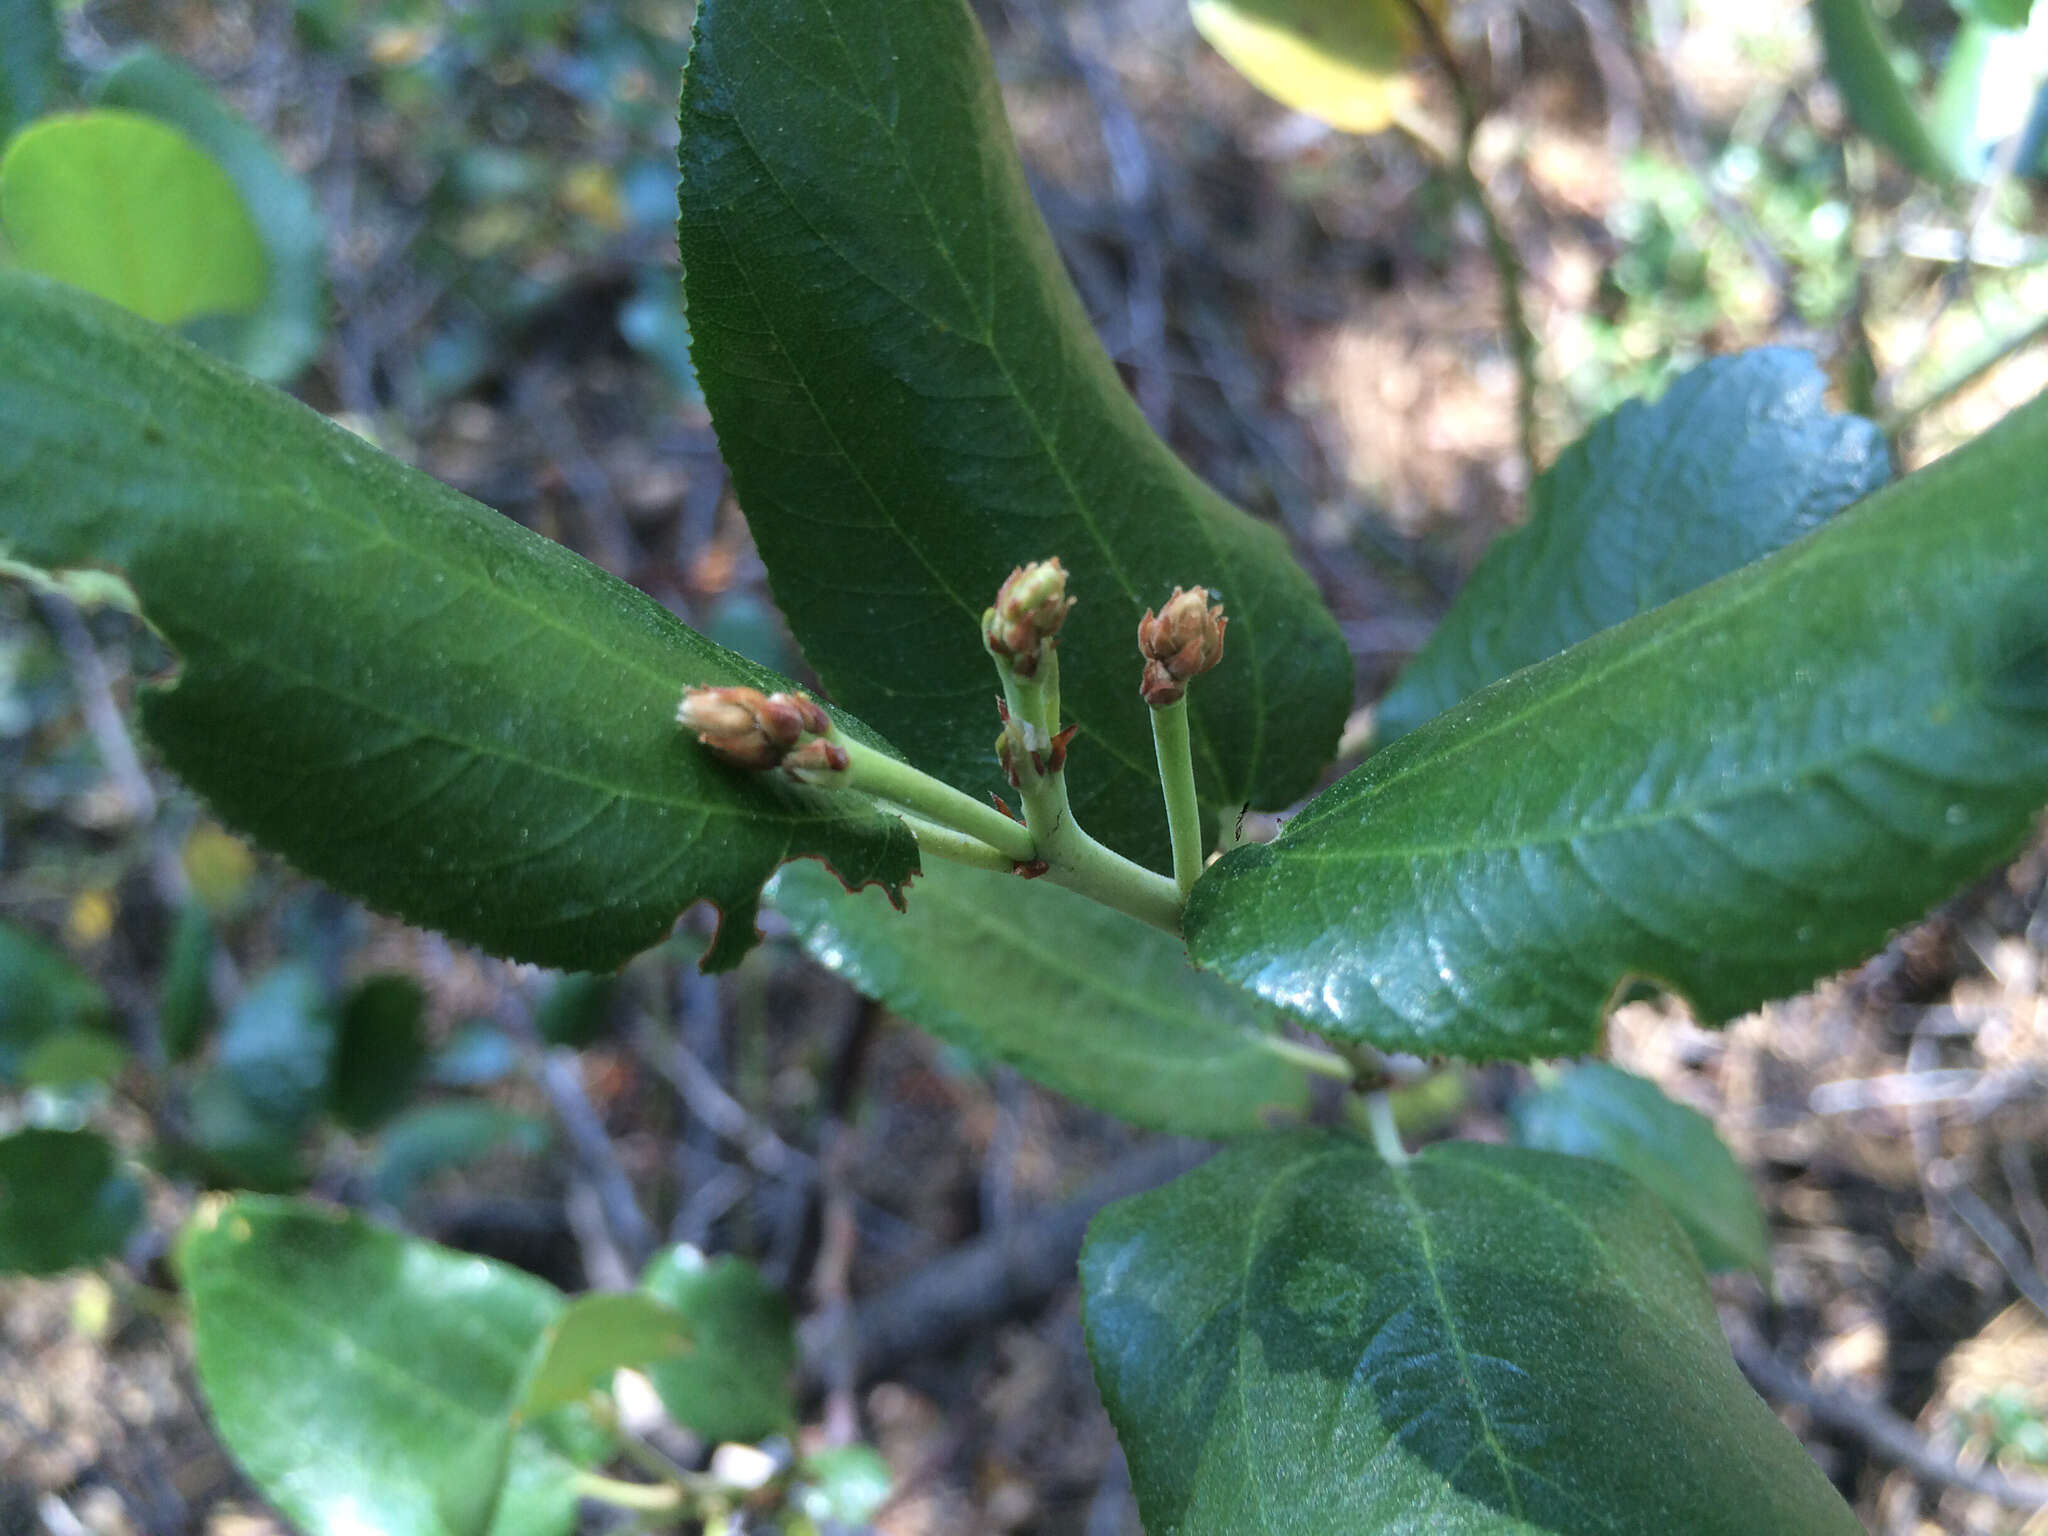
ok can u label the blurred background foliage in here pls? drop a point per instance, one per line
(465, 217)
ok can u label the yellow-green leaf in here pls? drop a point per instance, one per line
(1344, 61)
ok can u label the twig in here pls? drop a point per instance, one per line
(1883, 1432)
(1004, 1273)
(1507, 265)
(96, 703)
(1998, 1238)
(624, 1220)
(2015, 1161)
(1898, 420)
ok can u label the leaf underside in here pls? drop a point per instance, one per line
(1729, 796)
(1083, 999)
(911, 400)
(409, 696)
(1299, 1338)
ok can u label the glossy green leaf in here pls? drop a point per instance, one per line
(1597, 1110)
(29, 78)
(412, 697)
(1741, 456)
(131, 209)
(366, 1381)
(436, 1137)
(284, 332)
(64, 1202)
(596, 1335)
(1301, 1339)
(1728, 796)
(911, 400)
(1096, 1005)
(43, 998)
(1858, 51)
(1344, 61)
(380, 1051)
(737, 1381)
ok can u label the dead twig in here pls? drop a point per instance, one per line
(1882, 1432)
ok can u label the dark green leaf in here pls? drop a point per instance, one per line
(42, 997)
(910, 398)
(414, 698)
(1099, 1006)
(131, 209)
(64, 1202)
(1728, 796)
(1740, 457)
(435, 1137)
(1300, 1339)
(593, 1337)
(366, 1381)
(381, 1052)
(29, 75)
(1599, 1111)
(577, 1008)
(283, 335)
(736, 1381)
(1858, 52)
(185, 1001)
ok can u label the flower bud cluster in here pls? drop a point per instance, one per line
(772, 730)
(1183, 640)
(1029, 610)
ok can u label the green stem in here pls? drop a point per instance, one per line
(1386, 1135)
(939, 803)
(957, 847)
(613, 1490)
(1073, 858)
(1310, 1058)
(1177, 783)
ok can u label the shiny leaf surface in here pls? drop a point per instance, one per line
(1299, 1338)
(1739, 457)
(410, 696)
(1096, 1005)
(1597, 1110)
(1728, 796)
(366, 1381)
(911, 400)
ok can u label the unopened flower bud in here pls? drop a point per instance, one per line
(750, 728)
(1029, 610)
(1183, 640)
(818, 762)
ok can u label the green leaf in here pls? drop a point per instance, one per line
(593, 1337)
(64, 1202)
(1096, 1005)
(1728, 796)
(380, 1052)
(283, 334)
(1740, 457)
(131, 209)
(1858, 51)
(43, 998)
(29, 75)
(1599, 1111)
(578, 1008)
(366, 1381)
(185, 1000)
(846, 1483)
(1299, 1339)
(277, 1047)
(910, 398)
(736, 1383)
(410, 696)
(1344, 61)
(435, 1137)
